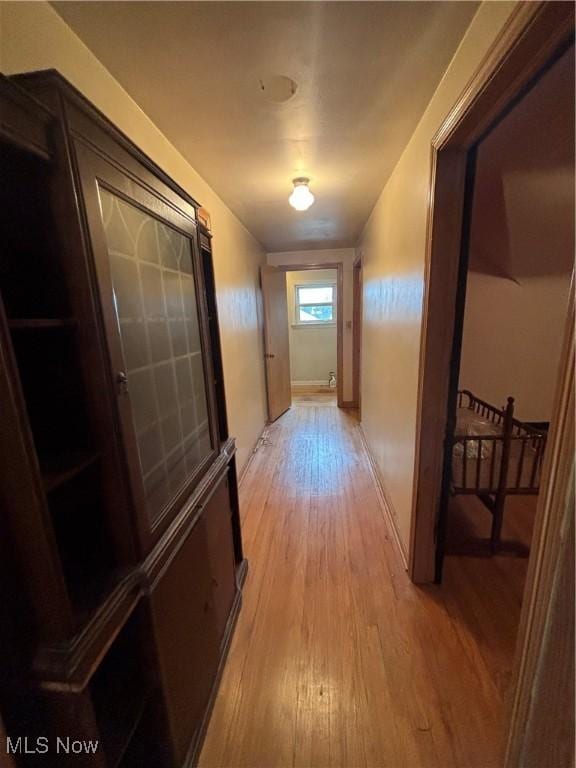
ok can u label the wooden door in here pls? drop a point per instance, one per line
(276, 344)
(191, 606)
(186, 636)
(220, 548)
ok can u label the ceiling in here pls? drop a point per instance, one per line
(523, 208)
(365, 72)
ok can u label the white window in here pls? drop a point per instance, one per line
(315, 304)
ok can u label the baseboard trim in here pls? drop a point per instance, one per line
(257, 445)
(312, 389)
(315, 383)
(385, 502)
(241, 574)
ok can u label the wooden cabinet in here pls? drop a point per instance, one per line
(193, 604)
(121, 544)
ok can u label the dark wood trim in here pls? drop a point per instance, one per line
(340, 336)
(36, 324)
(235, 506)
(168, 546)
(205, 237)
(206, 258)
(455, 354)
(534, 35)
(69, 666)
(435, 352)
(84, 132)
(356, 332)
(24, 122)
(41, 83)
(539, 426)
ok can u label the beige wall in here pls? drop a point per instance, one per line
(312, 347)
(522, 249)
(34, 37)
(523, 207)
(512, 339)
(346, 257)
(393, 248)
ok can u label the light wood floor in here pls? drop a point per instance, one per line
(486, 592)
(337, 659)
(314, 399)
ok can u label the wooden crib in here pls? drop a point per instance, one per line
(493, 455)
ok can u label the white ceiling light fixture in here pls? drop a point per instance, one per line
(301, 198)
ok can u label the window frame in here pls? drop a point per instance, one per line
(298, 304)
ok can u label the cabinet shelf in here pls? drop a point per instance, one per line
(122, 723)
(59, 468)
(40, 323)
(121, 689)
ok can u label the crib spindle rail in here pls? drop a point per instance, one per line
(496, 465)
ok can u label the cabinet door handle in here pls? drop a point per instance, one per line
(122, 383)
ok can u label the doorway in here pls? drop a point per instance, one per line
(357, 336)
(303, 330)
(536, 38)
(543, 33)
(519, 259)
(312, 331)
(519, 254)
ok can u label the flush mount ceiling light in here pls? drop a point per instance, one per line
(301, 198)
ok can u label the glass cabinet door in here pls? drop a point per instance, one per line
(154, 297)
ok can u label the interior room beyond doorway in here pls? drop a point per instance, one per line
(520, 270)
(312, 298)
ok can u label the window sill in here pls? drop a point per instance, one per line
(313, 325)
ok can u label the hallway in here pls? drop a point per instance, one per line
(338, 660)
(253, 253)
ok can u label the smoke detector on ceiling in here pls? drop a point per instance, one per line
(278, 89)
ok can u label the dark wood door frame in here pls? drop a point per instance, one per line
(339, 267)
(357, 334)
(535, 34)
(455, 359)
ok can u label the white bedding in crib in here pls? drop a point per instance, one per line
(470, 424)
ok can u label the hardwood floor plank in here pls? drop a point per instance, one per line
(338, 660)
